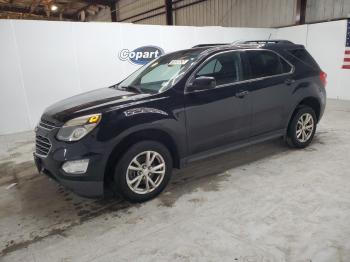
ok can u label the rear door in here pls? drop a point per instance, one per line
(220, 116)
(272, 85)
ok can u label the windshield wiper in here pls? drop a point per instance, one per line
(132, 88)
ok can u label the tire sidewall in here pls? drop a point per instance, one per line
(123, 164)
(293, 126)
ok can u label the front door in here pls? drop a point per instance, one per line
(219, 116)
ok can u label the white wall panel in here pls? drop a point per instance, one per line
(13, 104)
(326, 42)
(97, 46)
(296, 34)
(174, 39)
(43, 62)
(48, 62)
(133, 36)
(229, 35)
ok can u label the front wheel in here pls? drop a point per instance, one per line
(302, 127)
(143, 171)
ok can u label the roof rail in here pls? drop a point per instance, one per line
(205, 45)
(277, 41)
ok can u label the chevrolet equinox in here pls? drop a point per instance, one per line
(180, 107)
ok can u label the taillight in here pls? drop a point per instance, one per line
(323, 78)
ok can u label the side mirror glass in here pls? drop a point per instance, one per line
(202, 83)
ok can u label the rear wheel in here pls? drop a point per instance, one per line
(302, 127)
(143, 171)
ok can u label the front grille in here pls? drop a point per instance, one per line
(42, 145)
(46, 124)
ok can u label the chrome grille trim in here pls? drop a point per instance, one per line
(47, 124)
(42, 146)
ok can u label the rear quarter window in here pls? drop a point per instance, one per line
(303, 56)
(266, 63)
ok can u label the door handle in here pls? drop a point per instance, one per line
(289, 81)
(242, 94)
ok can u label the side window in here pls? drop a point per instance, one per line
(210, 68)
(225, 68)
(305, 57)
(265, 63)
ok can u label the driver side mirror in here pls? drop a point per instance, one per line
(202, 83)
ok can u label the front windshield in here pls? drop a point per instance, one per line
(161, 73)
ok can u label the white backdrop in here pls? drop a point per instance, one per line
(42, 62)
(326, 43)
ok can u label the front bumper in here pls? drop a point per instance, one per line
(81, 186)
(88, 184)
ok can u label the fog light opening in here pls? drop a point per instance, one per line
(76, 166)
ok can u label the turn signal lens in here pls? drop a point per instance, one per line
(94, 119)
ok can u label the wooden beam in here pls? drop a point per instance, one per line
(300, 12)
(169, 12)
(113, 9)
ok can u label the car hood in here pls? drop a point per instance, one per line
(95, 101)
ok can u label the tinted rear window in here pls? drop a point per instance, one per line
(304, 56)
(266, 63)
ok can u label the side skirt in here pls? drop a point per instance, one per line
(232, 147)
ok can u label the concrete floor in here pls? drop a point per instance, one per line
(261, 204)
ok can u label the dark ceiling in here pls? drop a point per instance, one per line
(52, 9)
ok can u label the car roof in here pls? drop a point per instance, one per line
(204, 50)
(251, 44)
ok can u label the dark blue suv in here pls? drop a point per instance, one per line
(181, 107)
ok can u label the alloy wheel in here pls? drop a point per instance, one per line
(145, 172)
(305, 127)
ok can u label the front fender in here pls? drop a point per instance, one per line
(117, 125)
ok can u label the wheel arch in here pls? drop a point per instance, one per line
(313, 103)
(157, 135)
(310, 101)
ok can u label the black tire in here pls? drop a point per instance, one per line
(292, 139)
(121, 171)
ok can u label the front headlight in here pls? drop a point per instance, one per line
(75, 129)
